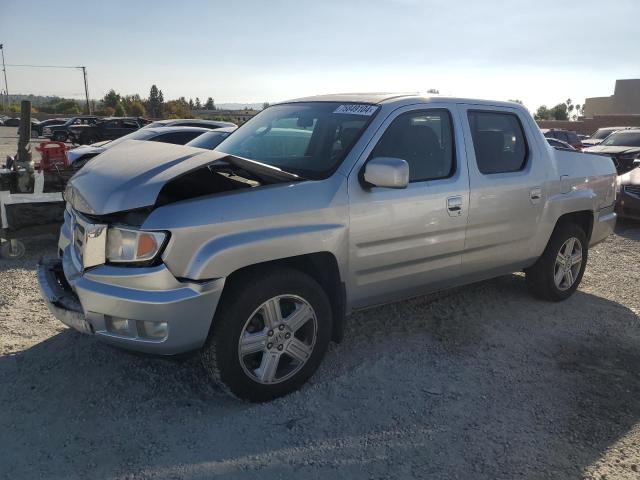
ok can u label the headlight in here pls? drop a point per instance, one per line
(129, 245)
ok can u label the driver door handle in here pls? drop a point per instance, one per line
(454, 206)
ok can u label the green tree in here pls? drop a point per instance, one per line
(119, 111)
(154, 102)
(177, 109)
(560, 112)
(70, 107)
(191, 104)
(111, 99)
(542, 113)
(210, 105)
(265, 105)
(198, 104)
(136, 109)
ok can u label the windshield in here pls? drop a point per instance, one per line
(623, 139)
(209, 140)
(307, 139)
(602, 133)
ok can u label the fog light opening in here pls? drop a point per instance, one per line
(153, 330)
(120, 326)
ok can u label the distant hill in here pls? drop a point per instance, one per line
(238, 106)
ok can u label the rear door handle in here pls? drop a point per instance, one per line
(454, 206)
(535, 195)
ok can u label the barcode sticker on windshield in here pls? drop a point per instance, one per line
(357, 109)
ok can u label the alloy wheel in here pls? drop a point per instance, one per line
(568, 264)
(278, 339)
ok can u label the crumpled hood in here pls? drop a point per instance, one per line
(131, 175)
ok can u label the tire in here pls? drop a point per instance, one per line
(87, 140)
(244, 312)
(542, 277)
(18, 250)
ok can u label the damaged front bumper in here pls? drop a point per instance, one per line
(60, 299)
(102, 300)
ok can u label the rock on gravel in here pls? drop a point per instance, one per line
(482, 382)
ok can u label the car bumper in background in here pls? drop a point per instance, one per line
(628, 205)
(142, 299)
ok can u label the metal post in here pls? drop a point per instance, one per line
(4, 69)
(86, 89)
(24, 162)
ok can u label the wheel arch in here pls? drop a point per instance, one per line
(322, 267)
(582, 218)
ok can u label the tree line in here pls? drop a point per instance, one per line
(114, 104)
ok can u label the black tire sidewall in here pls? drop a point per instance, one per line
(242, 299)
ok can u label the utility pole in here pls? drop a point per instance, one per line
(86, 89)
(4, 69)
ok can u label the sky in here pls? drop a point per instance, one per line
(539, 51)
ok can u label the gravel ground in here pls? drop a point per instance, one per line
(483, 382)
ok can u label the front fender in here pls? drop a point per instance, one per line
(223, 255)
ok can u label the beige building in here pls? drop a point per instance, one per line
(624, 101)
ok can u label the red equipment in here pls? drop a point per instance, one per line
(54, 154)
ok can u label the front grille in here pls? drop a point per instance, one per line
(89, 240)
(78, 230)
(632, 190)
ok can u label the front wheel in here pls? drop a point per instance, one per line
(558, 272)
(269, 335)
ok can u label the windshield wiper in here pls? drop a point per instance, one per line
(264, 171)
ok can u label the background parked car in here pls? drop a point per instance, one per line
(191, 122)
(12, 122)
(567, 136)
(60, 133)
(628, 199)
(38, 128)
(212, 138)
(622, 146)
(175, 135)
(600, 134)
(554, 142)
(104, 129)
(34, 128)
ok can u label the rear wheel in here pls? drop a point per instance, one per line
(558, 272)
(269, 335)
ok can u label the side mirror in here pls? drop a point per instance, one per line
(387, 172)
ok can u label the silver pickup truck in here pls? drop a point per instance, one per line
(255, 253)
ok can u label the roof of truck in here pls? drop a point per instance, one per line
(386, 98)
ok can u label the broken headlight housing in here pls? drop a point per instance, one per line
(128, 245)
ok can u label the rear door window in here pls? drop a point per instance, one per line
(498, 140)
